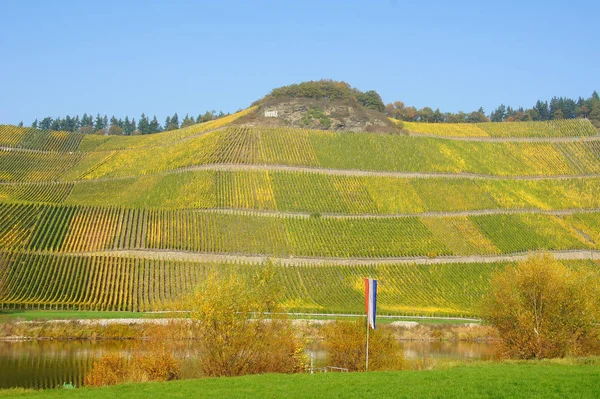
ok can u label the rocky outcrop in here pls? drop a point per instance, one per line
(318, 114)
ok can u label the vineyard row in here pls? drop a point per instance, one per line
(83, 229)
(555, 128)
(130, 283)
(294, 147)
(313, 192)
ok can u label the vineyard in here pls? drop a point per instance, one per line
(309, 149)
(74, 229)
(555, 128)
(308, 192)
(113, 223)
(132, 283)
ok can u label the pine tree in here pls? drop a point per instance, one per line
(155, 125)
(144, 125)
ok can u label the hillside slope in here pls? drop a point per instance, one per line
(133, 223)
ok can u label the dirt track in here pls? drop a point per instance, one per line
(299, 261)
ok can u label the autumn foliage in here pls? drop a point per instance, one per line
(345, 343)
(237, 330)
(543, 309)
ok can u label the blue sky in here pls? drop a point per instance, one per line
(128, 57)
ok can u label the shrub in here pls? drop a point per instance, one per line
(542, 309)
(233, 332)
(110, 369)
(155, 366)
(345, 343)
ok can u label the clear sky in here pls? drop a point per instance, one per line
(160, 57)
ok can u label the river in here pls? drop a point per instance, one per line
(49, 364)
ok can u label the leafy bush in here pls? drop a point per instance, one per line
(110, 369)
(233, 332)
(345, 343)
(315, 114)
(542, 309)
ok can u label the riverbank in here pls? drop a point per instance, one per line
(542, 379)
(183, 329)
(36, 315)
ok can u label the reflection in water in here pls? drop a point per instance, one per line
(48, 364)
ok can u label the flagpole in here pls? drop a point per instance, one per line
(367, 360)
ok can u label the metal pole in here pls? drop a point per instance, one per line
(367, 360)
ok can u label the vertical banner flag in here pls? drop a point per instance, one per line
(371, 301)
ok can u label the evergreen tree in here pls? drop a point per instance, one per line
(34, 124)
(155, 126)
(144, 125)
(542, 111)
(174, 122)
(187, 121)
(595, 113)
(499, 114)
(99, 123)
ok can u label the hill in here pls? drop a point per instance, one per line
(133, 223)
(325, 105)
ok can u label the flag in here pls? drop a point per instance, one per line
(371, 300)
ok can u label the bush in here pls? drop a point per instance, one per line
(542, 309)
(345, 343)
(233, 332)
(155, 366)
(110, 369)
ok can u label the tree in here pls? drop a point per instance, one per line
(499, 114)
(595, 113)
(558, 114)
(187, 121)
(542, 309)
(233, 332)
(34, 124)
(172, 123)
(371, 99)
(46, 123)
(115, 130)
(144, 124)
(155, 126)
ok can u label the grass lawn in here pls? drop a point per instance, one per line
(481, 380)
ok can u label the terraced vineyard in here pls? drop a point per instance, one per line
(309, 149)
(309, 192)
(554, 128)
(133, 223)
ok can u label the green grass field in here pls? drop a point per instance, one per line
(503, 380)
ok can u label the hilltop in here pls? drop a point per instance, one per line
(324, 105)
